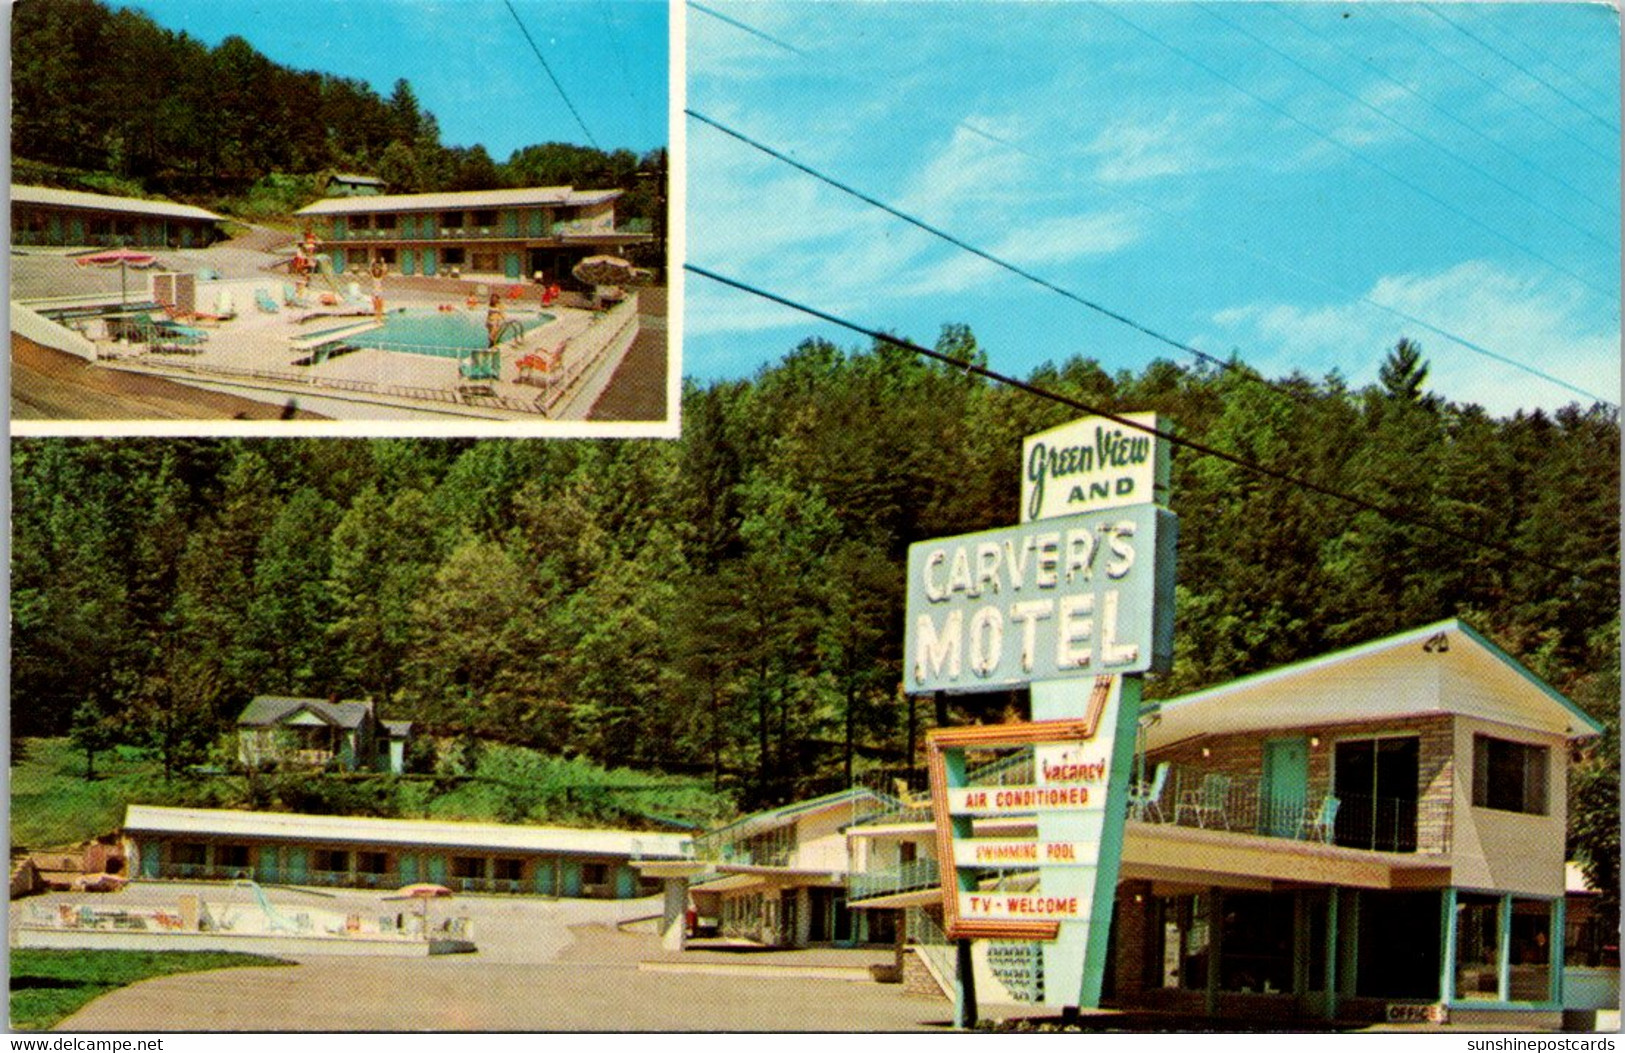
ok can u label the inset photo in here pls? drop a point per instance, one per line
(368, 217)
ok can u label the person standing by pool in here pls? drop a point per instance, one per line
(495, 319)
(378, 272)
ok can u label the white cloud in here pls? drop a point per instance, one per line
(1530, 321)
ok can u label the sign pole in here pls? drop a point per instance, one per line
(965, 993)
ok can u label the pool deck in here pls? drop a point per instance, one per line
(255, 354)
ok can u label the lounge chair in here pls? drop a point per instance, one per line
(263, 300)
(1145, 799)
(1209, 803)
(1321, 824)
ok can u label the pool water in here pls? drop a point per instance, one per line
(448, 334)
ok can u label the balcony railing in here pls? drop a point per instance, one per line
(570, 229)
(909, 877)
(1193, 796)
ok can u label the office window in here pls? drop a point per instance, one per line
(1478, 945)
(1509, 776)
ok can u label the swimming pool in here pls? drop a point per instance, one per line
(448, 334)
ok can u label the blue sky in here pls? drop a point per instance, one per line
(1244, 178)
(468, 62)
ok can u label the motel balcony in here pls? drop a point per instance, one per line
(909, 877)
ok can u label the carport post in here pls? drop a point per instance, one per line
(674, 913)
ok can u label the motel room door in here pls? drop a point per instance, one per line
(1286, 786)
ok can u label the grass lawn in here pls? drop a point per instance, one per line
(53, 804)
(47, 986)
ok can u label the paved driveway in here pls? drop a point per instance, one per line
(542, 966)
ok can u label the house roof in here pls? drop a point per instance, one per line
(266, 710)
(44, 195)
(523, 196)
(397, 729)
(354, 177)
(1445, 667)
(349, 829)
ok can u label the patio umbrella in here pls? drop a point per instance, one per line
(610, 270)
(122, 259)
(424, 891)
(119, 258)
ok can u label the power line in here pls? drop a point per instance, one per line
(1509, 60)
(1611, 207)
(1376, 11)
(958, 242)
(1363, 104)
(1355, 154)
(719, 16)
(1385, 511)
(562, 93)
(1114, 315)
(1607, 102)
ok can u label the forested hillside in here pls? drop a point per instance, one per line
(108, 100)
(729, 604)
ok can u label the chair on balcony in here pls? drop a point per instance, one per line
(1320, 824)
(1208, 802)
(1145, 799)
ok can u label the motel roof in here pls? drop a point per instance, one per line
(421, 833)
(1445, 667)
(43, 195)
(757, 822)
(535, 195)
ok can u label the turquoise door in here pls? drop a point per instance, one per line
(409, 226)
(295, 872)
(544, 877)
(1285, 792)
(409, 259)
(428, 262)
(538, 226)
(265, 864)
(150, 859)
(437, 869)
(626, 883)
(510, 221)
(409, 869)
(571, 879)
(340, 227)
(511, 265)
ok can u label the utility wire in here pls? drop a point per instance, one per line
(1376, 11)
(562, 93)
(1604, 100)
(1433, 10)
(1355, 154)
(959, 242)
(1386, 511)
(1611, 207)
(1584, 231)
(753, 31)
(1114, 315)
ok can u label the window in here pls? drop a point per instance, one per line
(1509, 776)
(1531, 979)
(1256, 954)
(486, 217)
(1478, 945)
(594, 873)
(509, 869)
(233, 856)
(1378, 781)
(451, 219)
(484, 262)
(189, 854)
(371, 862)
(451, 257)
(468, 866)
(333, 860)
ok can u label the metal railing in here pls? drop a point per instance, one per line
(1218, 800)
(909, 877)
(561, 229)
(922, 933)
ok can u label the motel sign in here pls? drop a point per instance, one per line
(1077, 596)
